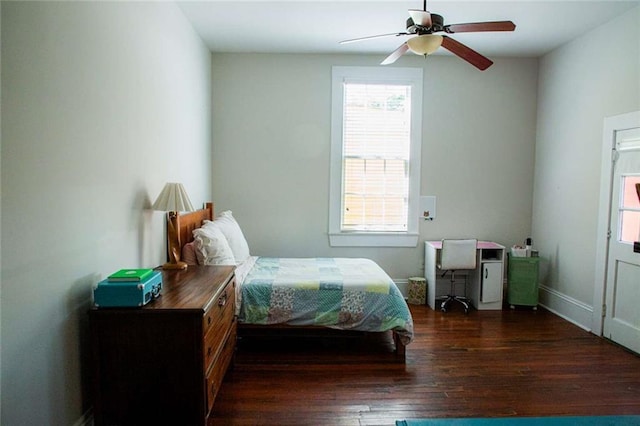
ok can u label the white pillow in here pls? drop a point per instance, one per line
(229, 227)
(212, 247)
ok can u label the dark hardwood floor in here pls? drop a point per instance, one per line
(485, 364)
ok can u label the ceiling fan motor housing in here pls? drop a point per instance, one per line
(437, 25)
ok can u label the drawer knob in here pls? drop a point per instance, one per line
(222, 300)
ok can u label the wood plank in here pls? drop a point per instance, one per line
(485, 364)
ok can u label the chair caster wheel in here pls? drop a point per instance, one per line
(512, 307)
(443, 309)
(535, 308)
(466, 310)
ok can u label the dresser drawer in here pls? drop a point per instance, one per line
(219, 328)
(222, 362)
(215, 312)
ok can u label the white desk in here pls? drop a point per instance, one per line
(484, 284)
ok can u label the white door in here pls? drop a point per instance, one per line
(622, 294)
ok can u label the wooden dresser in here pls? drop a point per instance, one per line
(164, 363)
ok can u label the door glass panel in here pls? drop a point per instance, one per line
(630, 210)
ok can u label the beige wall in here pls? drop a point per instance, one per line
(102, 104)
(271, 143)
(580, 83)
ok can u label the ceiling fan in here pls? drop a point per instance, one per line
(423, 25)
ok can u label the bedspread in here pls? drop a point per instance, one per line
(344, 293)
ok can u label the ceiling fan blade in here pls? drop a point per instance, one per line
(466, 53)
(420, 17)
(353, 40)
(395, 54)
(475, 27)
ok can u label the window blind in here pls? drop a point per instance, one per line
(376, 154)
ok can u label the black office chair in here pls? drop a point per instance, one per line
(457, 255)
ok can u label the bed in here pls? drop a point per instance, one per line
(336, 293)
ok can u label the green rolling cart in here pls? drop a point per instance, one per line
(522, 284)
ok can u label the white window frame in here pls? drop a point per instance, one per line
(373, 75)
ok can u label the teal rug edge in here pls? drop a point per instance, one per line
(626, 420)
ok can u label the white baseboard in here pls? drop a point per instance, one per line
(568, 308)
(403, 286)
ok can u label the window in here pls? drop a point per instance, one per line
(628, 143)
(629, 210)
(375, 156)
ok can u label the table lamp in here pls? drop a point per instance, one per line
(173, 199)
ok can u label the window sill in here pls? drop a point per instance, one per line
(383, 239)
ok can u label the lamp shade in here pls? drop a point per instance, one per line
(173, 198)
(425, 44)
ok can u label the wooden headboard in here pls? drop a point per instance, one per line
(187, 222)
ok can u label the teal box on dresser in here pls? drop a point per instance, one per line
(122, 294)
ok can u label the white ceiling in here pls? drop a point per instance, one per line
(296, 26)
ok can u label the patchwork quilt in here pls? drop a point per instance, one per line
(344, 293)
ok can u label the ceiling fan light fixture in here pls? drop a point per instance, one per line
(425, 44)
